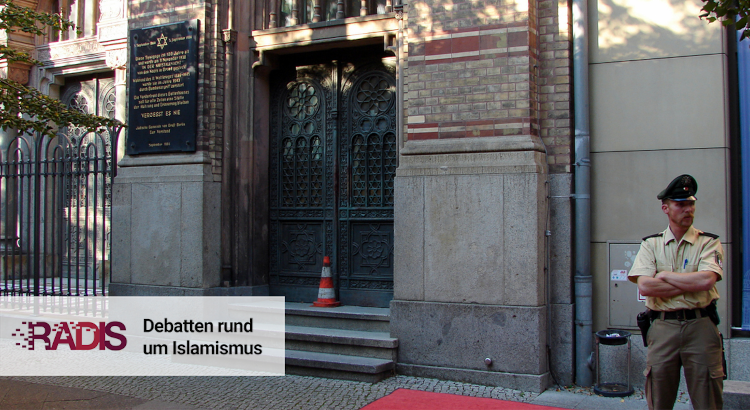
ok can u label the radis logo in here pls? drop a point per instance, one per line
(76, 335)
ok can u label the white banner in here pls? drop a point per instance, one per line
(141, 336)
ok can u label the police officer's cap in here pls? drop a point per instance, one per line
(682, 188)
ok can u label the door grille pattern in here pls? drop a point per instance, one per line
(373, 168)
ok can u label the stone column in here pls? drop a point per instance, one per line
(112, 31)
(116, 59)
(121, 111)
(89, 22)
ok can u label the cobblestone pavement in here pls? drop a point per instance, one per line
(289, 392)
(306, 393)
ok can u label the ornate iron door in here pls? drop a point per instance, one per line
(302, 172)
(368, 163)
(333, 159)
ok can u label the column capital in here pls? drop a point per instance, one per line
(229, 35)
(118, 58)
(121, 78)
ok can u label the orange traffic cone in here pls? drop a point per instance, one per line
(326, 295)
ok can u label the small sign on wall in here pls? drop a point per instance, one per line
(162, 88)
(619, 275)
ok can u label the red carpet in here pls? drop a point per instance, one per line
(404, 399)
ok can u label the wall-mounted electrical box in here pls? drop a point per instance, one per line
(624, 300)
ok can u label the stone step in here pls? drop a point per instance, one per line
(337, 366)
(342, 317)
(736, 394)
(241, 311)
(345, 342)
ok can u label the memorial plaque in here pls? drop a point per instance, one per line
(162, 105)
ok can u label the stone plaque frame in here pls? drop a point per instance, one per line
(163, 88)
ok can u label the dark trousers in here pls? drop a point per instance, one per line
(696, 346)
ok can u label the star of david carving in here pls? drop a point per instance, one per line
(161, 41)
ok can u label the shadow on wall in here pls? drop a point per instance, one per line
(638, 29)
(473, 13)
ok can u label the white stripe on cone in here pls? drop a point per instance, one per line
(326, 293)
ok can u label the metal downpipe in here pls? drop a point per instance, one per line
(582, 197)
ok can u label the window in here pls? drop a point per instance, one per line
(294, 12)
(84, 13)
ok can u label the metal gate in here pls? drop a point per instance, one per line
(55, 208)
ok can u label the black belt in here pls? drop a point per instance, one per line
(683, 314)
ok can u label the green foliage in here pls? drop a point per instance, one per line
(27, 109)
(729, 12)
(42, 114)
(18, 18)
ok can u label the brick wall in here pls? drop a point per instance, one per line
(489, 69)
(555, 83)
(214, 109)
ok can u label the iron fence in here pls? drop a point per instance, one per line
(55, 211)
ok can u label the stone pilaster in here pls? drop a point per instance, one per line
(165, 224)
(469, 261)
(166, 209)
(471, 201)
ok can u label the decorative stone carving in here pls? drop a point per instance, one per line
(230, 36)
(67, 49)
(19, 73)
(113, 31)
(117, 58)
(110, 9)
(43, 54)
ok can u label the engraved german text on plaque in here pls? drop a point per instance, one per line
(162, 104)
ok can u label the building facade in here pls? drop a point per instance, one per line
(429, 149)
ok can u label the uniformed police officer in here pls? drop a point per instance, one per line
(677, 270)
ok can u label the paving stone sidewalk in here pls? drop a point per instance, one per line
(258, 393)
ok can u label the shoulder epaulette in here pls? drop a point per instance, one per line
(653, 236)
(710, 235)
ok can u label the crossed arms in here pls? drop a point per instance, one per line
(667, 284)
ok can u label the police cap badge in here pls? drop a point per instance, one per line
(682, 188)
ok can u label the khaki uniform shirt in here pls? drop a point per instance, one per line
(695, 252)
